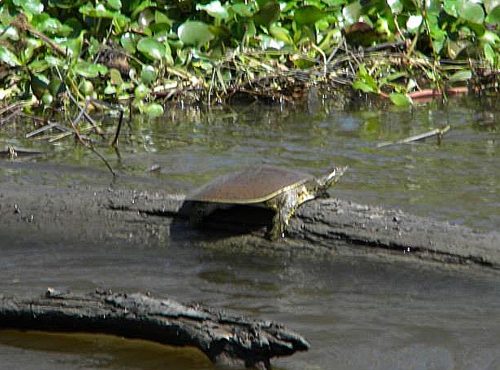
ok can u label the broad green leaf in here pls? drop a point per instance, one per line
(490, 55)
(243, 10)
(153, 110)
(30, 6)
(8, 57)
(352, 12)
(115, 76)
(114, 4)
(464, 75)
(151, 48)
(494, 16)
(89, 70)
(86, 87)
(308, 15)
(414, 22)
(162, 18)
(491, 38)
(280, 33)
(10, 33)
(100, 11)
(395, 5)
(148, 75)
(361, 85)
(38, 66)
(128, 42)
(401, 100)
(46, 24)
(194, 33)
(470, 11)
(269, 12)
(54, 61)
(110, 90)
(215, 9)
(141, 91)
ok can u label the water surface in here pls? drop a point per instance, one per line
(358, 313)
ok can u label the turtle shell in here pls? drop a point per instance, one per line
(252, 185)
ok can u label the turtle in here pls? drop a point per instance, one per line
(280, 189)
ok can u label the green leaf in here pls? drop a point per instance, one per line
(114, 4)
(153, 110)
(470, 11)
(464, 75)
(151, 48)
(100, 11)
(46, 24)
(280, 33)
(414, 22)
(128, 42)
(395, 5)
(352, 12)
(363, 86)
(243, 10)
(30, 6)
(400, 100)
(494, 16)
(215, 9)
(490, 55)
(269, 12)
(308, 15)
(141, 91)
(38, 66)
(194, 33)
(90, 70)
(115, 77)
(8, 57)
(148, 75)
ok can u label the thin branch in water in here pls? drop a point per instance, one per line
(438, 132)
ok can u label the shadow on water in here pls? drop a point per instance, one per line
(357, 313)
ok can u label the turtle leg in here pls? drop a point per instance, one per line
(284, 210)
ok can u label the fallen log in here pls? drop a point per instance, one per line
(224, 338)
(332, 223)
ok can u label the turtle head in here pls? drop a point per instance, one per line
(331, 177)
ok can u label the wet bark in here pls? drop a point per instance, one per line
(330, 224)
(224, 338)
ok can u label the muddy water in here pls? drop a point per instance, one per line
(361, 313)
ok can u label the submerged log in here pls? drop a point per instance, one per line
(224, 338)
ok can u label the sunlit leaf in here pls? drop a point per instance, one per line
(494, 16)
(30, 6)
(352, 12)
(128, 42)
(89, 70)
(414, 22)
(490, 55)
(215, 9)
(243, 10)
(470, 11)
(114, 4)
(151, 48)
(8, 57)
(280, 33)
(395, 5)
(401, 100)
(148, 74)
(464, 75)
(194, 33)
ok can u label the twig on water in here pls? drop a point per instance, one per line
(438, 132)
